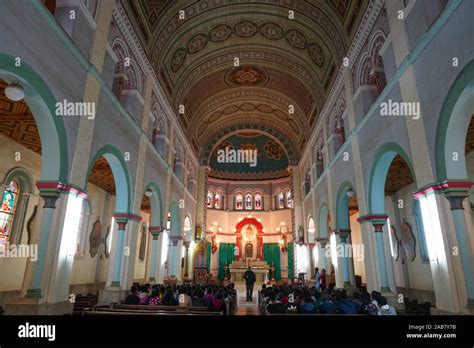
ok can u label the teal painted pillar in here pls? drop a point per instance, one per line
(174, 255)
(378, 225)
(323, 243)
(117, 274)
(343, 235)
(464, 245)
(155, 231)
(43, 243)
(154, 256)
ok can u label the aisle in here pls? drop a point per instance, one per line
(244, 307)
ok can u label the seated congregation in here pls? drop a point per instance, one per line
(303, 300)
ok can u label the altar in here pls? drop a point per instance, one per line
(239, 267)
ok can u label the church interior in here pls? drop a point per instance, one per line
(154, 151)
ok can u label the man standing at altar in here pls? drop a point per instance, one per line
(249, 277)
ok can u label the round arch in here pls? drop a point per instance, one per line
(382, 159)
(456, 114)
(323, 221)
(249, 221)
(25, 178)
(342, 206)
(187, 227)
(156, 218)
(120, 173)
(175, 229)
(311, 229)
(42, 103)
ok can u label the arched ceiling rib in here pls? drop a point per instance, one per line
(282, 61)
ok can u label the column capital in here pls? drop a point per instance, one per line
(323, 241)
(377, 220)
(56, 188)
(175, 239)
(452, 188)
(156, 230)
(186, 244)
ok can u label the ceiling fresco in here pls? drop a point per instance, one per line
(269, 161)
(232, 62)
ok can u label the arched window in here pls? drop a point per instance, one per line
(258, 202)
(7, 212)
(248, 201)
(238, 201)
(168, 221)
(281, 201)
(83, 228)
(289, 200)
(209, 199)
(217, 200)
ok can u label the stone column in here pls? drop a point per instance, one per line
(343, 235)
(174, 255)
(186, 258)
(378, 221)
(34, 289)
(156, 232)
(119, 253)
(322, 252)
(456, 199)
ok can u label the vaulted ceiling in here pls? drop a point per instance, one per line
(285, 69)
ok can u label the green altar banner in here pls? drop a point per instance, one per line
(226, 256)
(208, 256)
(271, 254)
(291, 261)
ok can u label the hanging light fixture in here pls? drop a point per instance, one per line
(148, 193)
(14, 92)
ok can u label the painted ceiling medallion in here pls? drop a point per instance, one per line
(220, 33)
(296, 39)
(273, 150)
(178, 59)
(271, 31)
(247, 76)
(246, 29)
(316, 54)
(197, 43)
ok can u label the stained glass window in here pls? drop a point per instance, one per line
(281, 201)
(217, 201)
(7, 212)
(209, 199)
(238, 201)
(289, 200)
(258, 201)
(248, 201)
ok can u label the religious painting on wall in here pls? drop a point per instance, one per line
(7, 212)
(408, 241)
(30, 224)
(107, 243)
(143, 235)
(94, 238)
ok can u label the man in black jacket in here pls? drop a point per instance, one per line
(249, 277)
